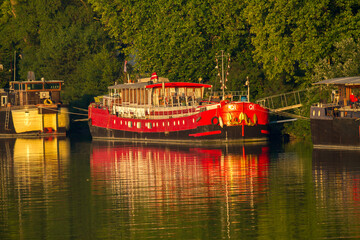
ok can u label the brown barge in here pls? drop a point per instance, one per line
(336, 125)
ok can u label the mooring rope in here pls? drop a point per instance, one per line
(73, 113)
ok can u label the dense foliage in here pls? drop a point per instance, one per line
(280, 45)
(57, 40)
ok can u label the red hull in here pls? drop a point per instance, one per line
(224, 121)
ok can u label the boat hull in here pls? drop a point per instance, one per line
(33, 121)
(337, 132)
(230, 122)
(203, 134)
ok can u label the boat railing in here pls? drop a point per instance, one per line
(232, 95)
(326, 105)
(16, 107)
(151, 112)
(355, 107)
(330, 110)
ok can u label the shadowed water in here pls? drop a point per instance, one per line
(62, 189)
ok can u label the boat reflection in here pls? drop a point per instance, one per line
(44, 157)
(36, 156)
(32, 173)
(336, 177)
(195, 178)
(32, 163)
(158, 166)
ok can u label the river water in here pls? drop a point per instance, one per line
(62, 188)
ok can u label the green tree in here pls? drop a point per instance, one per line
(344, 61)
(290, 37)
(57, 39)
(178, 39)
(7, 42)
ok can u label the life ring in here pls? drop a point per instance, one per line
(47, 101)
(215, 120)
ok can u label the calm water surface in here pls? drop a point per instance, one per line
(68, 189)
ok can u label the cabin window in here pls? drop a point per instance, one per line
(34, 86)
(16, 86)
(4, 100)
(189, 91)
(197, 92)
(52, 85)
(181, 91)
(172, 91)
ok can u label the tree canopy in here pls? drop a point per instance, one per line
(180, 38)
(279, 44)
(57, 40)
(290, 36)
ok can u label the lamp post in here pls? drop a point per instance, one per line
(14, 65)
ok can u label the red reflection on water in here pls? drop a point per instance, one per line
(243, 169)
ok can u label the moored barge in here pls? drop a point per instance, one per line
(157, 110)
(336, 124)
(33, 108)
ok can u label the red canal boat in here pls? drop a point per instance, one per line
(156, 110)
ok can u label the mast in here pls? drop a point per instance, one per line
(223, 78)
(247, 83)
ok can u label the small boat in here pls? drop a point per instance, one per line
(336, 124)
(157, 110)
(33, 108)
